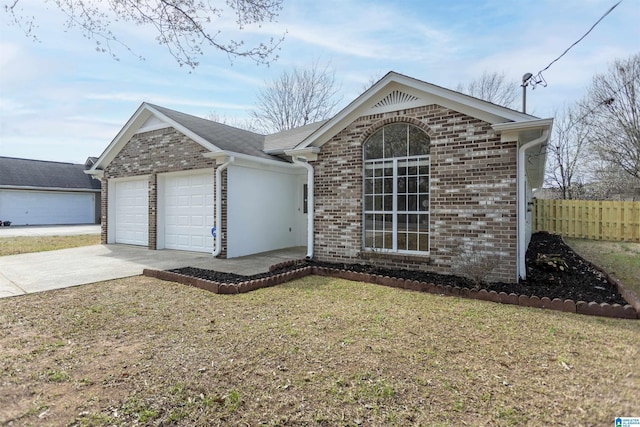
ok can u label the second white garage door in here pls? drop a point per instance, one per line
(188, 211)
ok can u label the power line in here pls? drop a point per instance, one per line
(539, 79)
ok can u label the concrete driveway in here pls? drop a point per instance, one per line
(42, 271)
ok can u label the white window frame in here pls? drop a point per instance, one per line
(394, 162)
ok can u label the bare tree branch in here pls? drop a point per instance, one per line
(613, 101)
(297, 98)
(182, 26)
(492, 87)
(568, 153)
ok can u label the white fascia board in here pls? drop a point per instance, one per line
(523, 125)
(128, 130)
(427, 92)
(95, 174)
(223, 156)
(56, 189)
(132, 126)
(310, 154)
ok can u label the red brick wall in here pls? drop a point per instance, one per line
(151, 153)
(473, 193)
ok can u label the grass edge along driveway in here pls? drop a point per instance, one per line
(29, 244)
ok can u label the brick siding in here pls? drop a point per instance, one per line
(152, 153)
(473, 194)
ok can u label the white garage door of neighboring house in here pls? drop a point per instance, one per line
(132, 212)
(188, 212)
(46, 207)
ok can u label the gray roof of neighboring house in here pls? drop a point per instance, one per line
(227, 138)
(16, 172)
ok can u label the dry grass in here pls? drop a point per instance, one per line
(317, 351)
(27, 244)
(622, 259)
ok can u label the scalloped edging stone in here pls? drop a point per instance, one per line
(628, 311)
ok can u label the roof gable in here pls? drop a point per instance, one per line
(213, 136)
(398, 92)
(33, 174)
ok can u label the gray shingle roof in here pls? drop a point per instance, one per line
(288, 139)
(227, 138)
(16, 172)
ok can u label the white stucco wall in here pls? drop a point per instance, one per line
(264, 210)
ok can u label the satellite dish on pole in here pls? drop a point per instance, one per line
(525, 81)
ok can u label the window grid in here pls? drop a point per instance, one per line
(396, 190)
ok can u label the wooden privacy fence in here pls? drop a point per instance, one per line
(588, 219)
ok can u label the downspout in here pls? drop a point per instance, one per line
(310, 203)
(218, 207)
(522, 202)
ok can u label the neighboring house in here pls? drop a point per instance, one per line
(409, 173)
(36, 192)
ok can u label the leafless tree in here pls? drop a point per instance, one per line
(613, 103)
(612, 183)
(568, 153)
(182, 26)
(492, 87)
(297, 98)
(236, 122)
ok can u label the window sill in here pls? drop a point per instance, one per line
(394, 256)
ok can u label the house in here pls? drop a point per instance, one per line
(36, 192)
(410, 174)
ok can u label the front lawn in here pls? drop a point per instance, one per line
(315, 351)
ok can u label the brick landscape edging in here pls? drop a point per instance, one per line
(628, 311)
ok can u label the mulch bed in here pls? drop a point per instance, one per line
(554, 270)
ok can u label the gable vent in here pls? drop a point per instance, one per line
(394, 98)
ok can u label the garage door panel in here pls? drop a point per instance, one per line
(188, 212)
(132, 212)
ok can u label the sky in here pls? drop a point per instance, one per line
(61, 100)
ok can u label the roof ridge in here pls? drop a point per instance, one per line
(160, 108)
(39, 160)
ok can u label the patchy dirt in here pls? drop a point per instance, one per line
(554, 270)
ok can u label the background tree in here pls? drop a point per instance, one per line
(236, 122)
(492, 87)
(296, 98)
(182, 26)
(611, 183)
(568, 153)
(613, 103)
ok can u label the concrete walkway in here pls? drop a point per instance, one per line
(43, 271)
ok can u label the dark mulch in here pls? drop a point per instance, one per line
(554, 270)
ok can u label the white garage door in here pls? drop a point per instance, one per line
(188, 212)
(46, 207)
(132, 212)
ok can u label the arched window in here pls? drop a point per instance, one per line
(396, 189)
